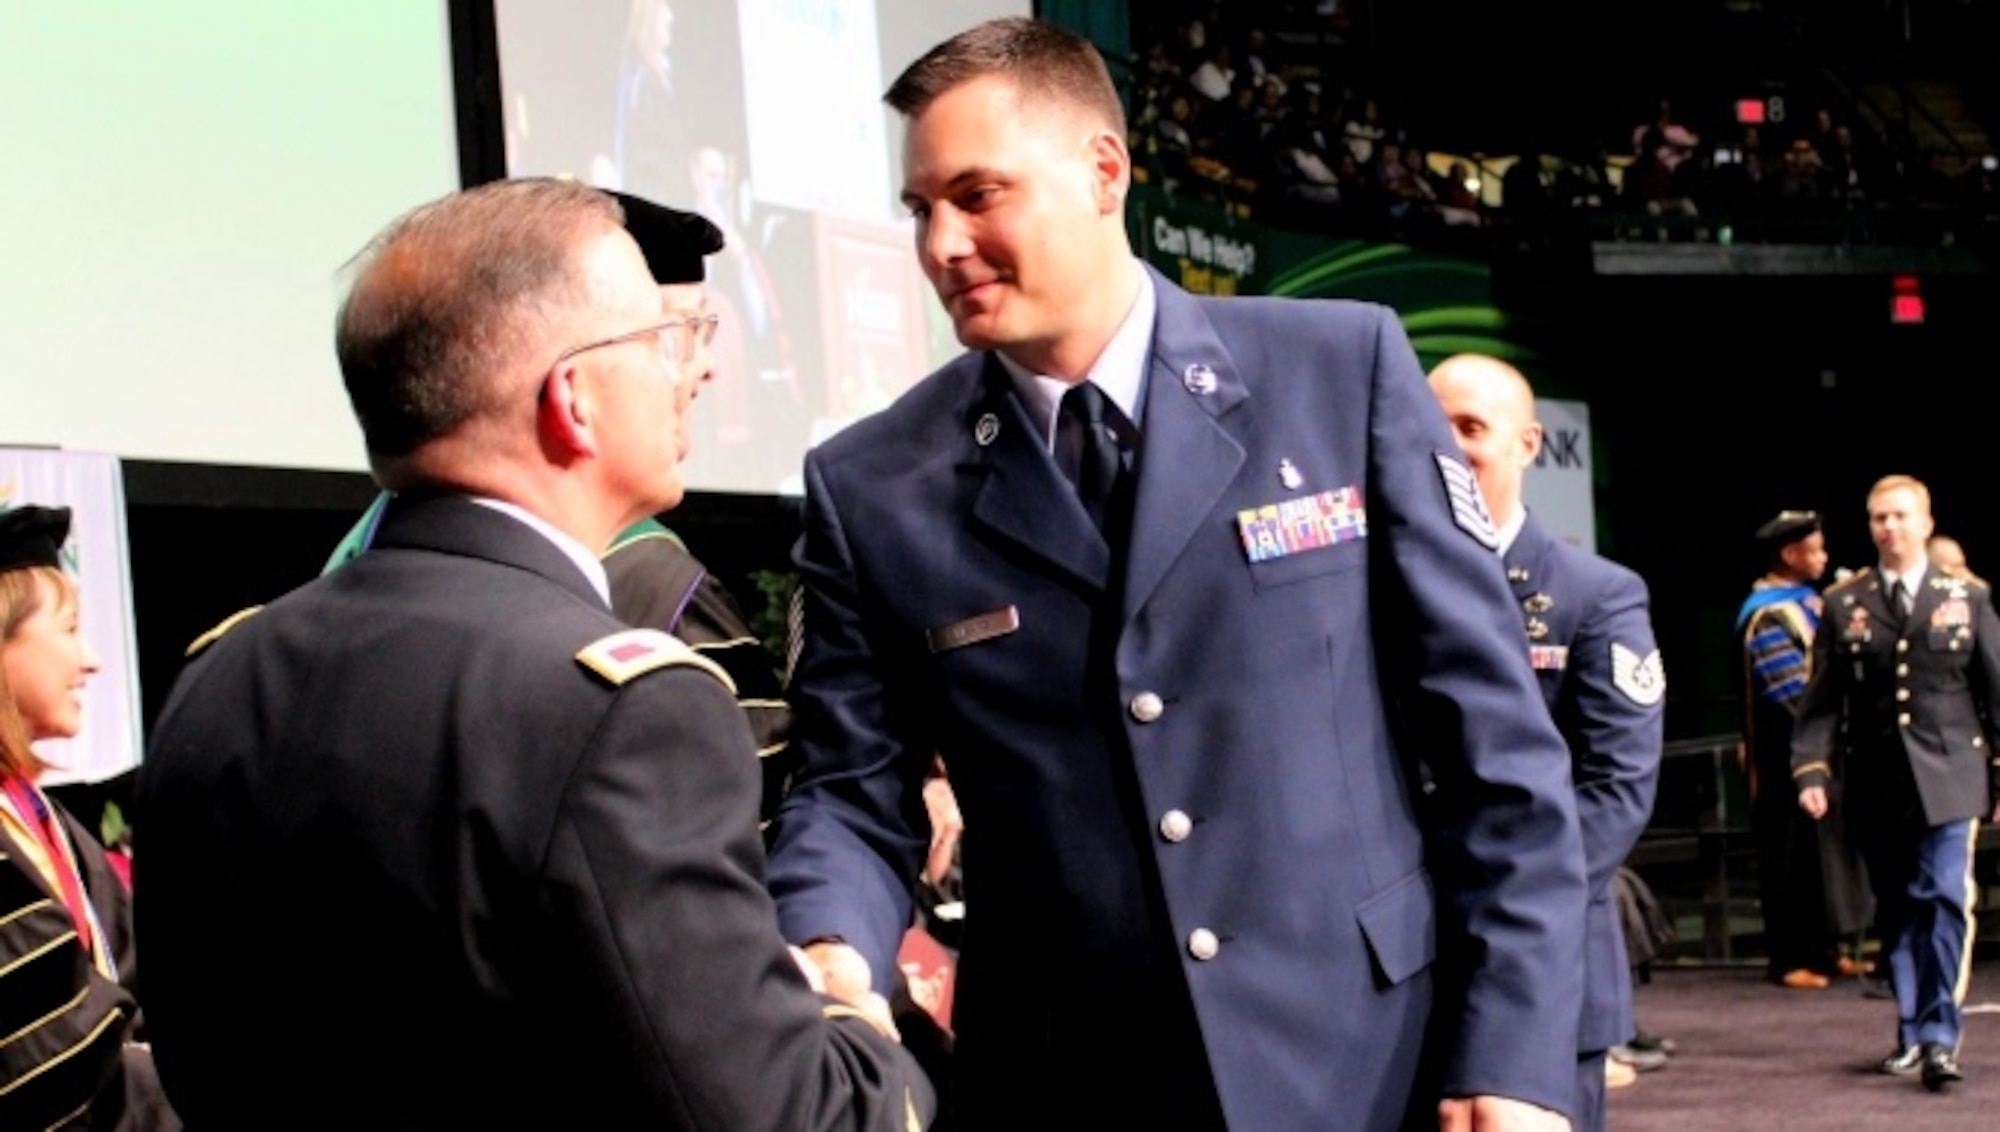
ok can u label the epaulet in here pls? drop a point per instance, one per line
(215, 634)
(642, 531)
(1852, 580)
(621, 657)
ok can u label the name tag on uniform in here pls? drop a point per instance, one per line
(973, 630)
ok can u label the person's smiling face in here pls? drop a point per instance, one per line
(1010, 198)
(46, 661)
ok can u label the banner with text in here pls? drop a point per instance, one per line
(1558, 490)
(1444, 301)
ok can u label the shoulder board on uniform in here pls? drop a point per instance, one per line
(1852, 580)
(215, 634)
(622, 657)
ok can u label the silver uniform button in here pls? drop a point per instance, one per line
(1902, 670)
(1175, 825)
(1147, 707)
(1902, 693)
(1203, 945)
(1903, 719)
(1902, 646)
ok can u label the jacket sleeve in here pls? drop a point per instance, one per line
(1619, 724)
(656, 880)
(848, 848)
(1506, 851)
(1986, 635)
(1818, 725)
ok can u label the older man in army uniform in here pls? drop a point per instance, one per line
(505, 843)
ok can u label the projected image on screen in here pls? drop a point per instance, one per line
(766, 117)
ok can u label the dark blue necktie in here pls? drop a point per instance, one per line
(1091, 434)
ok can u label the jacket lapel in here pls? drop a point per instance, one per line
(1522, 564)
(1924, 601)
(1187, 458)
(1020, 495)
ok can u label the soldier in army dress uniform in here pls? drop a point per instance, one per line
(1905, 682)
(502, 845)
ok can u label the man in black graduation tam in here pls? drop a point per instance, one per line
(1811, 891)
(674, 242)
(656, 583)
(1787, 528)
(32, 536)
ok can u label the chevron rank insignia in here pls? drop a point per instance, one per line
(621, 657)
(1468, 509)
(213, 635)
(1641, 678)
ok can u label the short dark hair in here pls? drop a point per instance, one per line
(1040, 59)
(447, 295)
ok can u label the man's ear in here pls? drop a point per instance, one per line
(566, 413)
(1111, 164)
(1531, 443)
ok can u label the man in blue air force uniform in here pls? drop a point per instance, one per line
(1186, 701)
(1590, 639)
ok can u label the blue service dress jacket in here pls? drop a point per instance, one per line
(1590, 639)
(435, 841)
(1292, 756)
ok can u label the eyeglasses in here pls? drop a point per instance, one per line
(677, 338)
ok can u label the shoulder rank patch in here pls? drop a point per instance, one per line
(620, 657)
(1468, 509)
(1642, 678)
(213, 635)
(1851, 583)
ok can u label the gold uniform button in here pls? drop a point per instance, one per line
(1903, 720)
(1147, 707)
(1203, 945)
(1175, 825)
(1902, 646)
(1902, 670)
(1902, 693)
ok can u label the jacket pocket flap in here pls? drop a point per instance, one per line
(1400, 924)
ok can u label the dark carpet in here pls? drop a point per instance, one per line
(1753, 1055)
